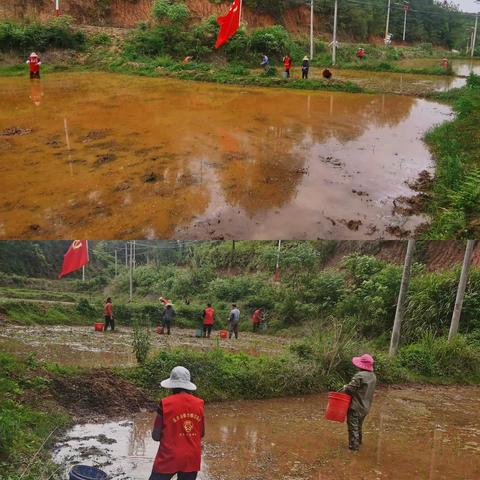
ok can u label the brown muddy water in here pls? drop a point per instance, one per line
(84, 347)
(109, 156)
(461, 67)
(420, 433)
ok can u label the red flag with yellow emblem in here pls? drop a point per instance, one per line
(75, 258)
(229, 24)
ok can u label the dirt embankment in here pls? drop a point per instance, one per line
(127, 13)
(437, 255)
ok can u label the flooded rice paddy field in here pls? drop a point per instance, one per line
(422, 433)
(110, 156)
(84, 347)
(461, 67)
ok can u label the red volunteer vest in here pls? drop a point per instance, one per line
(34, 64)
(256, 316)
(180, 447)
(209, 316)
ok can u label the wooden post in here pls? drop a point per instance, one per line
(462, 285)
(397, 324)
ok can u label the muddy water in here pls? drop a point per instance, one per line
(406, 84)
(84, 347)
(108, 156)
(461, 67)
(412, 433)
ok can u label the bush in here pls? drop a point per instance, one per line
(37, 36)
(140, 342)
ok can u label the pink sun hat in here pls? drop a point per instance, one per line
(365, 362)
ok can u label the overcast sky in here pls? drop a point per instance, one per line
(468, 5)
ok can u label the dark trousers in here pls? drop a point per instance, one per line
(354, 424)
(166, 325)
(34, 75)
(109, 321)
(233, 330)
(207, 330)
(168, 476)
(305, 74)
(287, 71)
(256, 326)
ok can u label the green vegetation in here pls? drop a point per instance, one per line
(27, 37)
(455, 195)
(26, 430)
(140, 342)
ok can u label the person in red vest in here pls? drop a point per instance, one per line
(257, 319)
(360, 53)
(108, 313)
(287, 63)
(208, 320)
(34, 64)
(179, 427)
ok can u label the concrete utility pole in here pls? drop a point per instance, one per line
(474, 38)
(116, 263)
(462, 285)
(311, 29)
(126, 254)
(334, 43)
(406, 7)
(397, 324)
(388, 22)
(130, 276)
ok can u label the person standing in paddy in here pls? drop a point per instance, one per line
(361, 388)
(287, 63)
(208, 320)
(179, 427)
(233, 321)
(34, 63)
(108, 313)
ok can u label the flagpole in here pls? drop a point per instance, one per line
(311, 30)
(83, 273)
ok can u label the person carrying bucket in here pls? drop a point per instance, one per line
(179, 427)
(208, 320)
(361, 388)
(108, 314)
(34, 63)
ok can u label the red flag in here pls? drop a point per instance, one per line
(229, 24)
(75, 258)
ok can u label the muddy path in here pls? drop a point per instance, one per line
(412, 433)
(108, 156)
(82, 346)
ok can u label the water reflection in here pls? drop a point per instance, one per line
(411, 433)
(151, 157)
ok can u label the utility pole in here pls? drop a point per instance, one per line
(334, 43)
(311, 29)
(116, 263)
(388, 22)
(57, 8)
(277, 265)
(126, 254)
(472, 53)
(130, 276)
(397, 324)
(406, 7)
(462, 285)
(134, 255)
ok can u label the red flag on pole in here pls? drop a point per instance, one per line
(229, 23)
(75, 258)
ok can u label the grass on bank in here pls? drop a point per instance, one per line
(455, 195)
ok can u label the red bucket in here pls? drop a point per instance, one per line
(337, 407)
(99, 327)
(223, 334)
(159, 330)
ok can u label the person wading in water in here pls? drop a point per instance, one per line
(179, 427)
(361, 388)
(108, 313)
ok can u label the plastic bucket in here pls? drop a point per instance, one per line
(199, 332)
(159, 330)
(223, 334)
(99, 326)
(84, 472)
(337, 407)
